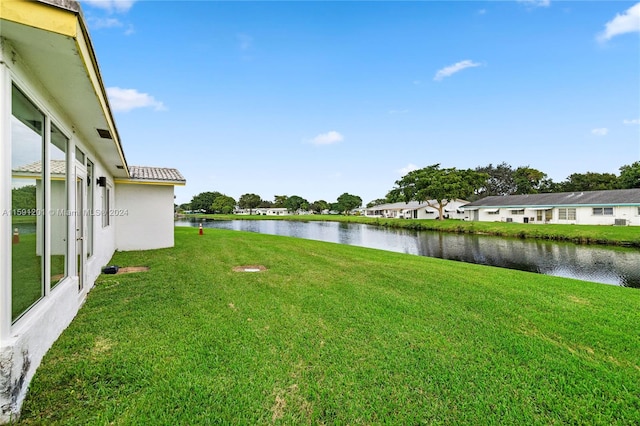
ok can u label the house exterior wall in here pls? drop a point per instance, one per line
(104, 236)
(54, 108)
(24, 342)
(631, 214)
(266, 211)
(584, 215)
(423, 213)
(414, 211)
(144, 216)
(58, 239)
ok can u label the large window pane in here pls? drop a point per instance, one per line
(59, 205)
(27, 203)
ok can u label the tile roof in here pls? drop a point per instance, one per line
(411, 205)
(401, 205)
(610, 197)
(155, 174)
(58, 167)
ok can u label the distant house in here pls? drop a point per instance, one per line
(68, 198)
(613, 207)
(416, 210)
(264, 211)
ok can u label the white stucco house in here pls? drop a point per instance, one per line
(68, 198)
(416, 210)
(264, 211)
(612, 207)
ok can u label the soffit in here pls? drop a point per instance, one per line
(65, 64)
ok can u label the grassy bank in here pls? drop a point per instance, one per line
(581, 234)
(334, 334)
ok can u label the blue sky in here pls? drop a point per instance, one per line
(320, 98)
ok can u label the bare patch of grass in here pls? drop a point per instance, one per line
(250, 268)
(132, 269)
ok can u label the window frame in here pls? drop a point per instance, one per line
(602, 211)
(49, 205)
(107, 191)
(567, 213)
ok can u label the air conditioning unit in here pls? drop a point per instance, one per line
(620, 222)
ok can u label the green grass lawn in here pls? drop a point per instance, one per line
(26, 273)
(335, 334)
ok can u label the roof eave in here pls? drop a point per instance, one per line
(130, 181)
(52, 39)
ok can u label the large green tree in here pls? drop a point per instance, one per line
(24, 198)
(319, 206)
(279, 201)
(377, 202)
(437, 187)
(295, 203)
(500, 182)
(249, 201)
(223, 204)
(528, 180)
(347, 202)
(589, 181)
(394, 196)
(629, 176)
(204, 200)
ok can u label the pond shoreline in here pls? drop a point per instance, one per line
(621, 236)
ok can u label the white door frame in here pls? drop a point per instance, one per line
(80, 225)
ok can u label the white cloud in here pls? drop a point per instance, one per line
(124, 100)
(452, 69)
(482, 11)
(600, 132)
(628, 22)
(328, 138)
(245, 41)
(98, 23)
(633, 121)
(536, 3)
(408, 168)
(120, 6)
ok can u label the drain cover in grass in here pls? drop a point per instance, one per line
(249, 268)
(130, 269)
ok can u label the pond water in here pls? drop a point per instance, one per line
(602, 264)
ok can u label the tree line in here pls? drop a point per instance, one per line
(434, 183)
(216, 202)
(23, 198)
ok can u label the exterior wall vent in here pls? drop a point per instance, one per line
(104, 133)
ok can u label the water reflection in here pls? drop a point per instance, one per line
(608, 265)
